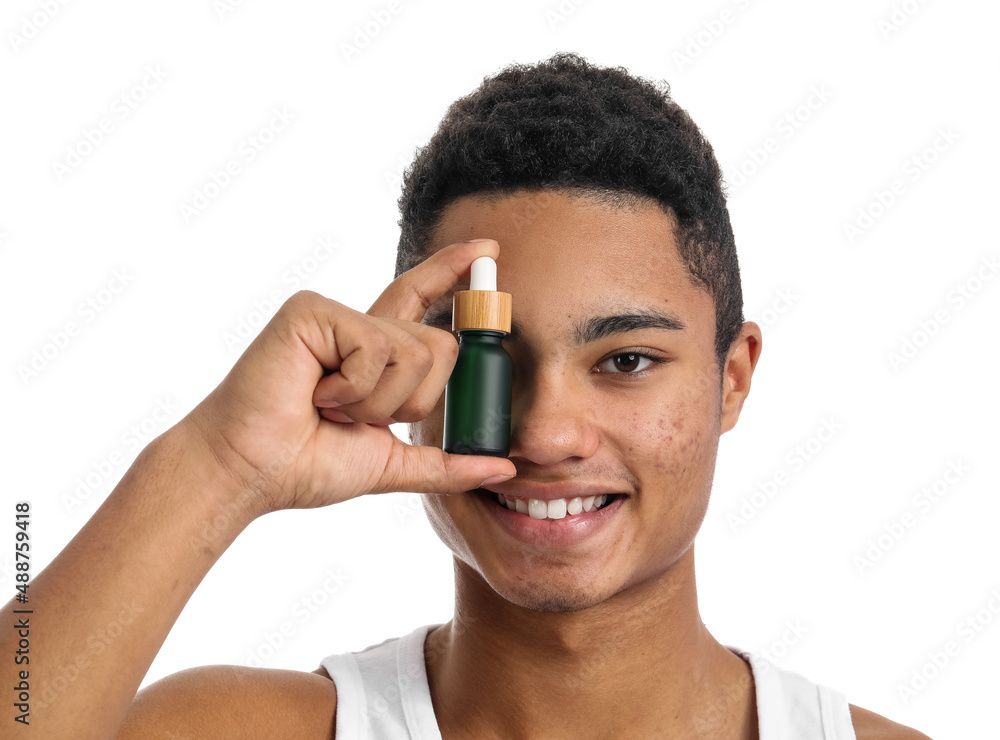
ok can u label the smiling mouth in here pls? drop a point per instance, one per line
(560, 508)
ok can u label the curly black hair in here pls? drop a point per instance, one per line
(567, 125)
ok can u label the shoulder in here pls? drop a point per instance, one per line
(233, 701)
(871, 726)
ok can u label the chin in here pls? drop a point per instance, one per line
(570, 591)
(568, 586)
(546, 600)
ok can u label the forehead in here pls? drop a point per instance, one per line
(577, 255)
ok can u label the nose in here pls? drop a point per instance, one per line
(551, 421)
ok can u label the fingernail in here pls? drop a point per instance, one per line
(495, 479)
(480, 240)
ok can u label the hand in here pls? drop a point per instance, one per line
(301, 419)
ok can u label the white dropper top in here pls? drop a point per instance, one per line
(482, 306)
(484, 274)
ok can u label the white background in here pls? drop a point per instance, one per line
(892, 76)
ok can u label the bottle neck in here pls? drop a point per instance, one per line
(483, 334)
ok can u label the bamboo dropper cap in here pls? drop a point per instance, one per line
(482, 306)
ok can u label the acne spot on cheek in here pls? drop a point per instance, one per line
(665, 436)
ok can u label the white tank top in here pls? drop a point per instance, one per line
(383, 694)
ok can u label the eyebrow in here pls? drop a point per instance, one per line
(599, 327)
(592, 329)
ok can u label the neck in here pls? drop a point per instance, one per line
(639, 664)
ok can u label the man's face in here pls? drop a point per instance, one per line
(622, 406)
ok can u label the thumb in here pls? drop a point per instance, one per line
(421, 469)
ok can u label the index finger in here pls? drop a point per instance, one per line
(410, 295)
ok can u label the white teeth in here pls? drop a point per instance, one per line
(537, 509)
(557, 508)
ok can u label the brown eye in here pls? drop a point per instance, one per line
(625, 362)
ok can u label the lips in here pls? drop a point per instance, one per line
(556, 508)
(562, 531)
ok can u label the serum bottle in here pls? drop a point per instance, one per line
(477, 397)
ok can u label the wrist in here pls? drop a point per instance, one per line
(230, 500)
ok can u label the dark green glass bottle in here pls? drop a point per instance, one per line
(478, 395)
(477, 398)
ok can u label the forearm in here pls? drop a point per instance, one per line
(102, 609)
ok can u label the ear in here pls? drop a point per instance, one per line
(740, 364)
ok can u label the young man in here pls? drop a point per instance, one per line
(603, 205)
